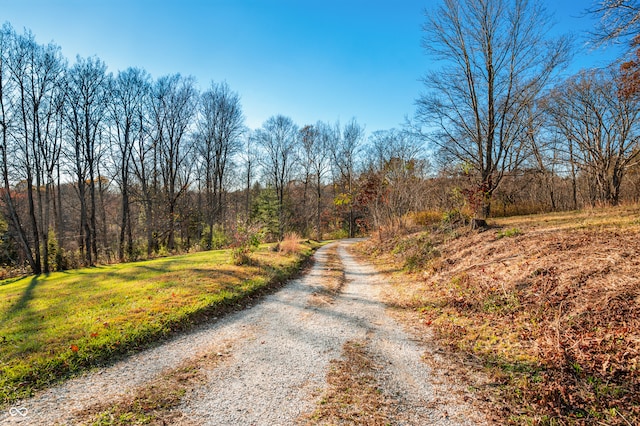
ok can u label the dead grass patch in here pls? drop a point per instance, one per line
(291, 244)
(333, 279)
(552, 313)
(353, 395)
(154, 403)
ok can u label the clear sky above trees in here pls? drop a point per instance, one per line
(310, 60)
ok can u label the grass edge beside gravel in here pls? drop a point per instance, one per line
(55, 368)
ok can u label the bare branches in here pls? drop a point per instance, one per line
(173, 101)
(130, 92)
(496, 63)
(619, 20)
(590, 112)
(220, 127)
(277, 138)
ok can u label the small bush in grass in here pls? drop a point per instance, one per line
(454, 218)
(509, 233)
(290, 244)
(247, 238)
(426, 217)
(219, 238)
(337, 234)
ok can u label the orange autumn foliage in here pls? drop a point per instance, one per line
(630, 72)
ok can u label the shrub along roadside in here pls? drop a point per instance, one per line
(54, 326)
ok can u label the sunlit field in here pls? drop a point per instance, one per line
(57, 324)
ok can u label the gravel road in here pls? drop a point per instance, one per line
(274, 360)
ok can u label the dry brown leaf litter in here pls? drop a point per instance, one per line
(553, 314)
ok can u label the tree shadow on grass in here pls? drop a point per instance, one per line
(27, 296)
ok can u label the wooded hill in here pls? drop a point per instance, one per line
(99, 167)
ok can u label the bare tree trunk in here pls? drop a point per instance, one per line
(318, 207)
(43, 226)
(60, 231)
(85, 233)
(220, 205)
(92, 212)
(84, 241)
(171, 241)
(33, 220)
(247, 206)
(103, 218)
(574, 186)
(148, 206)
(125, 220)
(351, 231)
(47, 213)
(550, 188)
(129, 238)
(210, 207)
(23, 241)
(123, 225)
(281, 218)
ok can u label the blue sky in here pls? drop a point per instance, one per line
(308, 59)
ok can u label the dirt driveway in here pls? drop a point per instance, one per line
(322, 350)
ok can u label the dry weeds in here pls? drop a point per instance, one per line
(291, 244)
(352, 395)
(154, 403)
(552, 312)
(333, 279)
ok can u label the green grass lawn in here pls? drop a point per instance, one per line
(52, 326)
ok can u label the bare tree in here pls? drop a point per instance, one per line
(497, 63)
(8, 120)
(248, 156)
(396, 167)
(37, 72)
(220, 127)
(277, 138)
(129, 92)
(317, 155)
(21, 66)
(543, 152)
(50, 97)
(344, 155)
(144, 165)
(174, 99)
(619, 19)
(87, 89)
(594, 115)
(307, 140)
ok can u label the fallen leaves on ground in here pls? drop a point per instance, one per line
(552, 313)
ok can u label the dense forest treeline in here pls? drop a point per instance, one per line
(102, 167)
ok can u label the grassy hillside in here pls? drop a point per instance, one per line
(547, 305)
(58, 324)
